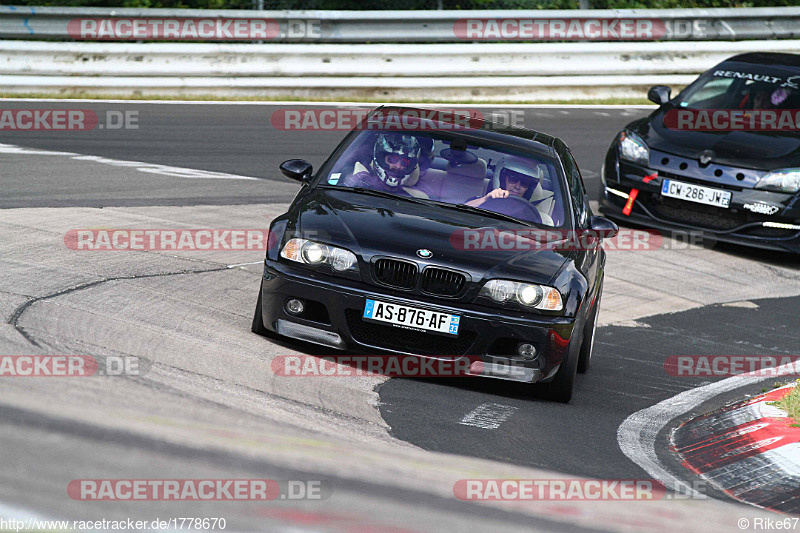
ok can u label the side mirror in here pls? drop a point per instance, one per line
(297, 169)
(659, 94)
(603, 228)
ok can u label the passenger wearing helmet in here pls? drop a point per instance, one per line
(394, 167)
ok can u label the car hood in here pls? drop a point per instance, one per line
(371, 226)
(757, 150)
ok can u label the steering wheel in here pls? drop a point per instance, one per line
(498, 204)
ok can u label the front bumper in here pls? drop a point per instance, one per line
(334, 309)
(735, 224)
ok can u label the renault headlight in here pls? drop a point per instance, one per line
(632, 148)
(526, 294)
(314, 253)
(783, 180)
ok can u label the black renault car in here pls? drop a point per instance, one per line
(372, 255)
(722, 157)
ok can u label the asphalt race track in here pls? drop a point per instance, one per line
(238, 139)
(206, 404)
(628, 375)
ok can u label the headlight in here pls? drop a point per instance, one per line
(314, 253)
(527, 294)
(783, 180)
(633, 148)
(341, 260)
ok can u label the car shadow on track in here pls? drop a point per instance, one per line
(498, 387)
(709, 242)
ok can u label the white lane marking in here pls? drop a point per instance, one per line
(12, 149)
(289, 103)
(636, 436)
(630, 324)
(150, 168)
(744, 303)
(488, 416)
(244, 264)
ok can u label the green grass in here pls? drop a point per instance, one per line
(791, 404)
(74, 95)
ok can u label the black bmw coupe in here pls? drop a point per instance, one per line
(721, 158)
(424, 239)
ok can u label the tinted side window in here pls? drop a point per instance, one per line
(579, 200)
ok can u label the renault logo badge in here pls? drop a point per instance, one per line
(706, 156)
(424, 253)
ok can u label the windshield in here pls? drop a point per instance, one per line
(434, 166)
(743, 87)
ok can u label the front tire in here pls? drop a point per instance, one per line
(589, 329)
(258, 321)
(561, 387)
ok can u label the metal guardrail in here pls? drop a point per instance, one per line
(420, 26)
(476, 72)
(387, 61)
(310, 54)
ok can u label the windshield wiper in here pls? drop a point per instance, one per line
(485, 212)
(382, 194)
(423, 201)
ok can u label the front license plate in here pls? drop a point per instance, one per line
(696, 193)
(411, 317)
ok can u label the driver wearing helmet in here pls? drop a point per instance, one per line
(516, 178)
(394, 167)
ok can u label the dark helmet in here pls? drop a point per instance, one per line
(395, 157)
